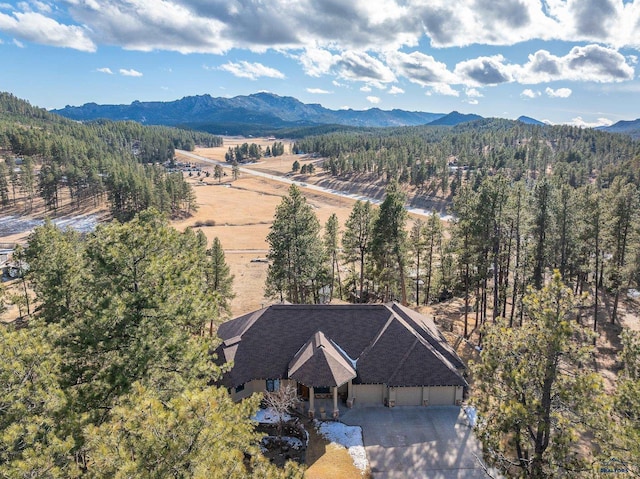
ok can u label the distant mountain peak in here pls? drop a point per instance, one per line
(626, 127)
(455, 118)
(529, 121)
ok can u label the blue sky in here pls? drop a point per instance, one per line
(564, 61)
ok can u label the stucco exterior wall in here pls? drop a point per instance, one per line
(442, 395)
(369, 393)
(409, 396)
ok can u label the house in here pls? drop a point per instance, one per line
(363, 353)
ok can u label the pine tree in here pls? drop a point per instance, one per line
(356, 239)
(331, 251)
(219, 282)
(389, 243)
(433, 239)
(534, 394)
(296, 270)
(4, 184)
(417, 245)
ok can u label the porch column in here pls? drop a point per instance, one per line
(336, 411)
(312, 397)
(350, 398)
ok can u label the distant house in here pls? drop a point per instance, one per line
(362, 353)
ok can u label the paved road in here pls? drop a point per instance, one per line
(282, 179)
(418, 442)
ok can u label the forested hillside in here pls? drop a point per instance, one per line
(441, 158)
(117, 161)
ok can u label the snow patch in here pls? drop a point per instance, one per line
(10, 225)
(472, 415)
(633, 293)
(348, 436)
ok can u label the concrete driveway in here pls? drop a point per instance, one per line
(418, 442)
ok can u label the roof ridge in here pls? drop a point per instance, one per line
(429, 347)
(404, 359)
(440, 341)
(386, 325)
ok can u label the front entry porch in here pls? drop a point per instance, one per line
(324, 402)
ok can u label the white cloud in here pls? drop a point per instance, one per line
(130, 73)
(529, 93)
(395, 90)
(419, 68)
(589, 63)
(360, 66)
(18, 43)
(473, 93)
(41, 6)
(105, 70)
(318, 91)
(38, 28)
(483, 71)
(373, 99)
(365, 88)
(316, 61)
(559, 93)
(252, 71)
(444, 89)
(472, 101)
(578, 121)
(216, 26)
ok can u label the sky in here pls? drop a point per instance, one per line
(561, 61)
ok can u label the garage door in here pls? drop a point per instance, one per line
(368, 393)
(442, 396)
(409, 396)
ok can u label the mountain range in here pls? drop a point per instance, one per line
(262, 112)
(631, 128)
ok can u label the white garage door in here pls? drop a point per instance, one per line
(368, 393)
(409, 396)
(442, 396)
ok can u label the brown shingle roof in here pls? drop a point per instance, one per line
(320, 363)
(391, 344)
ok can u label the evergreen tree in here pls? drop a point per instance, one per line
(57, 272)
(534, 394)
(417, 245)
(433, 246)
(198, 434)
(331, 245)
(356, 239)
(624, 443)
(219, 282)
(4, 184)
(389, 243)
(296, 270)
(218, 173)
(34, 425)
(147, 300)
(623, 200)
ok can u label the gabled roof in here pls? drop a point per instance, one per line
(320, 363)
(392, 345)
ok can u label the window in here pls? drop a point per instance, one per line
(273, 385)
(240, 388)
(322, 390)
